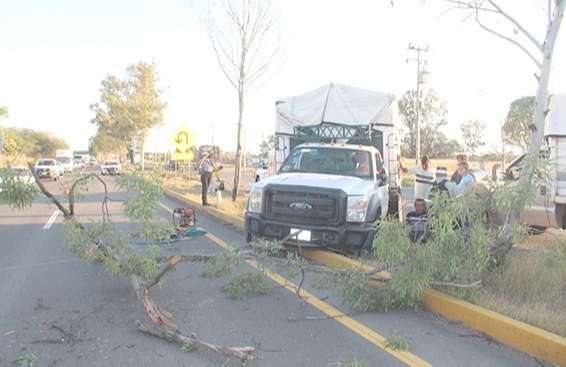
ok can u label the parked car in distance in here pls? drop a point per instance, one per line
(110, 168)
(67, 164)
(261, 170)
(21, 174)
(79, 163)
(93, 161)
(48, 168)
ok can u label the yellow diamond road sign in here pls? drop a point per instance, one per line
(183, 140)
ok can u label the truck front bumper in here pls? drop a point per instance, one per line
(348, 236)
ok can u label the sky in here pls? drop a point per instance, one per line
(55, 53)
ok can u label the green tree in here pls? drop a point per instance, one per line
(128, 108)
(519, 122)
(473, 133)
(102, 143)
(31, 144)
(434, 142)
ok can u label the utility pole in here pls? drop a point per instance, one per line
(420, 80)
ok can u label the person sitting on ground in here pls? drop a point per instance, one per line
(417, 221)
(424, 178)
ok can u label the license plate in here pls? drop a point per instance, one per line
(304, 235)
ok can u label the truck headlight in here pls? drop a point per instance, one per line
(255, 200)
(357, 208)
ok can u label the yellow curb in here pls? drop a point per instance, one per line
(532, 340)
(537, 342)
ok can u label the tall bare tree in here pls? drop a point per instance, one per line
(540, 52)
(246, 44)
(486, 13)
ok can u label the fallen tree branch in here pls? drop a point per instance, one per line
(191, 342)
(49, 195)
(104, 205)
(164, 328)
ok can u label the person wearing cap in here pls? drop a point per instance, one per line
(424, 178)
(206, 168)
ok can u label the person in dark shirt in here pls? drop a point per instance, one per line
(417, 221)
(456, 176)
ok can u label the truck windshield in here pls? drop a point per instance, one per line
(333, 161)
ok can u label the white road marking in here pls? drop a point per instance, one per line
(51, 219)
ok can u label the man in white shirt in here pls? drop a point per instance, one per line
(424, 178)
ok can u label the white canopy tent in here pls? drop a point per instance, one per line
(337, 104)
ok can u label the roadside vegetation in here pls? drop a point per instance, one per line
(530, 286)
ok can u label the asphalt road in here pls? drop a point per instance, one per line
(47, 294)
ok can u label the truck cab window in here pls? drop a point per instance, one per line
(346, 162)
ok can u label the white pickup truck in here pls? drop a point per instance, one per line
(336, 169)
(331, 194)
(50, 168)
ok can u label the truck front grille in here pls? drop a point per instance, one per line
(304, 205)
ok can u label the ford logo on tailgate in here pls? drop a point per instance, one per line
(299, 205)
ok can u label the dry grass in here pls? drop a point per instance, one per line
(530, 287)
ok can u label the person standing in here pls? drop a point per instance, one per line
(205, 168)
(424, 178)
